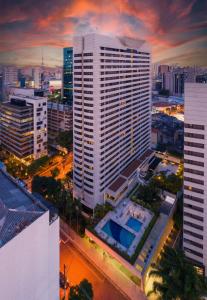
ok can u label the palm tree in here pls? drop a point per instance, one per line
(178, 279)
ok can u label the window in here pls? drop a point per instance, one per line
(194, 126)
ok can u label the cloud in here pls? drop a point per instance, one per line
(166, 25)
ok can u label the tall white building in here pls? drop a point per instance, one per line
(29, 245)
(111, 113)
(195, 174)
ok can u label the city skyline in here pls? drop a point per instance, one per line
(175, 31)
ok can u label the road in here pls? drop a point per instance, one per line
(64, 165)
(79, 268)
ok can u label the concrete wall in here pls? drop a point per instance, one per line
(28, 261)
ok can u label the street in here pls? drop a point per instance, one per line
(78, 268)
(64, 165)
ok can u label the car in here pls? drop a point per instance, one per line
(64, 284)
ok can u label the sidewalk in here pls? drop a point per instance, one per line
(107, 266)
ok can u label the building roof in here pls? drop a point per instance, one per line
(117, 184)
(128, 171)
(168, 204)
(136, 163)
(18, 208)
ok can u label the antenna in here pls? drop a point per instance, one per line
(42, 69)
(42, 57)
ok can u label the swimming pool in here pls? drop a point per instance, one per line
(134, 224)
(120, 234)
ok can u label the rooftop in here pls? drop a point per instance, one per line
(117, 184)
(18, 208)
(129, 170)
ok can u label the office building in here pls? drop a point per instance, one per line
(67, 89)
(24, 126)
(111, 115)
(37, 77)
(195, 177)
(29, 245)
(60, 118)
(10, 75)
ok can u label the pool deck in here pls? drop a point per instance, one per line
(120, 215)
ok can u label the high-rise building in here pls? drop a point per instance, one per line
(60, 118)
(23, 129)
(195, 178)
(37, 77)
(111, 115)
(10, 75)
(29, 244)
(67, 88)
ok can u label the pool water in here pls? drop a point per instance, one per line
(120, 234)
(134, 224)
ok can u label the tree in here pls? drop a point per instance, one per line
(65, 139)
(48, 187)
(37, 164)
(83, 291)
(178, 279)
(55, 172)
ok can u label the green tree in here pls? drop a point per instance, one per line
(83, 291)
(55, 172)
(177, 278)
(65, 139)
(48, 187)
(37, 164)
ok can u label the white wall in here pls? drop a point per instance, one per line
(29, 263)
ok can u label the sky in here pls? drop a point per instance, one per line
(176, 29)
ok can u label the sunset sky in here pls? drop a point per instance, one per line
(176, 29)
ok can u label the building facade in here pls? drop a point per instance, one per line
(195, 180)
(67, 88)
(24, 126)
(111, 112)
(29, 245)
(60, 118)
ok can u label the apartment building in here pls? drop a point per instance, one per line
(195, 180)
(111, 114)
(29, 245)
(60, 118)
(23, 130)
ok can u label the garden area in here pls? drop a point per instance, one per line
(150, 195)
(54, 191)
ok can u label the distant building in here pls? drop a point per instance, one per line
(10, 75)
(201, 78)
(68, 75)
(29, 245)
(195, 178)
(37, 77)
(111, 114)
(23, 128)
(163, 69)
(60, 118)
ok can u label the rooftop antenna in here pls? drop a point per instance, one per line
(42, 70)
